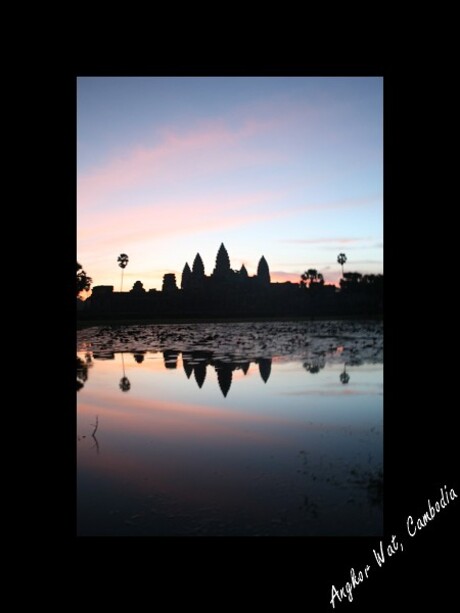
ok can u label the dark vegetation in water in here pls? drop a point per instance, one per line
(353, 478)
(372, 482)
(350, 342)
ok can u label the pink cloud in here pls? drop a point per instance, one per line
(211, 148)
(170, 414)
(341, 204)
(176, 218)
(313, 241)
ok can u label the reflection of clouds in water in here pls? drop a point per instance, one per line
(187, 432)
(328, 392)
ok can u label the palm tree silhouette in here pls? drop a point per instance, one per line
(341, 259)
(83, 281)
(312, 276)
(122, 263)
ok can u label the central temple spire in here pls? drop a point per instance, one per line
(263, 273)
(222, 268)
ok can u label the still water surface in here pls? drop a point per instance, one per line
(230, 429)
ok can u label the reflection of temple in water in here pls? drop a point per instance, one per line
(188, 368)
(200, 373)
(265, 368)
(224, 376)
(170, 358)
(196, 362)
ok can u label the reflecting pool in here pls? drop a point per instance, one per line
(230, 429)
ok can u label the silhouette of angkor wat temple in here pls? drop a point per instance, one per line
(228, 293)
(223, 276)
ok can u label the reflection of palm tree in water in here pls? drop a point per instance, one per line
(125, 385)
(82, 370)
(344, 376)
(82, 373)
(315, 364)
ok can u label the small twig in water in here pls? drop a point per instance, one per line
(95, 425)
(96, 443)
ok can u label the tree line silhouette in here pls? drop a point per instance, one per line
(83, 281)
(233, 293)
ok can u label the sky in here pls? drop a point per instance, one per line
(290, 168)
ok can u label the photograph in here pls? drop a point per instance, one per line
(229, 307)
